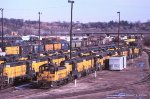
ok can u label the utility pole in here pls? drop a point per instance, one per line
(2, 28)
(39, 30)
(69, 1)
(118, 28)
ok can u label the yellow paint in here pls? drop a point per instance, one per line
(68, 67)
(12, 50)
(58, 75)
(15, 71)
(57, 61)
(100, 61)
(130, 40)
(36, 65)
(23, 58)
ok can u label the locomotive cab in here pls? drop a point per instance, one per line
(48, 67)
(51, 75)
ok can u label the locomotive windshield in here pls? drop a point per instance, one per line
(52, 69)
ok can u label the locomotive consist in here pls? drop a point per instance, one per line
(56, 65)
(27, 67)
(52, 75)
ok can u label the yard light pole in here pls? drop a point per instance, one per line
(70, 1)
(2, 27)
(39, 24)
(118, 28)
(39, 30)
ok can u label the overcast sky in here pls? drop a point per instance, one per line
(84, 10)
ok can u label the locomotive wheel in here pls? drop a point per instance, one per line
(65, 81)
(92, 70)
(70, 78)
(79, 75)
(1, 87)
(88, 72)
(85, 73)
(45, 85)
(53, 84)
(103, 67)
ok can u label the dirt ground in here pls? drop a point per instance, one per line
(130, 83)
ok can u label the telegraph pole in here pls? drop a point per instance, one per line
(2, 27)
(118, 28)
(69, 1)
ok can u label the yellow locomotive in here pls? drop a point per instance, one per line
(15, 71)
(52, 70)
(51, 75)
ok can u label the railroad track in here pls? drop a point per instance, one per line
(66, 95)
(27, 92)
(87, 92)
(148, 52)
(146, 79)
(24, 90)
